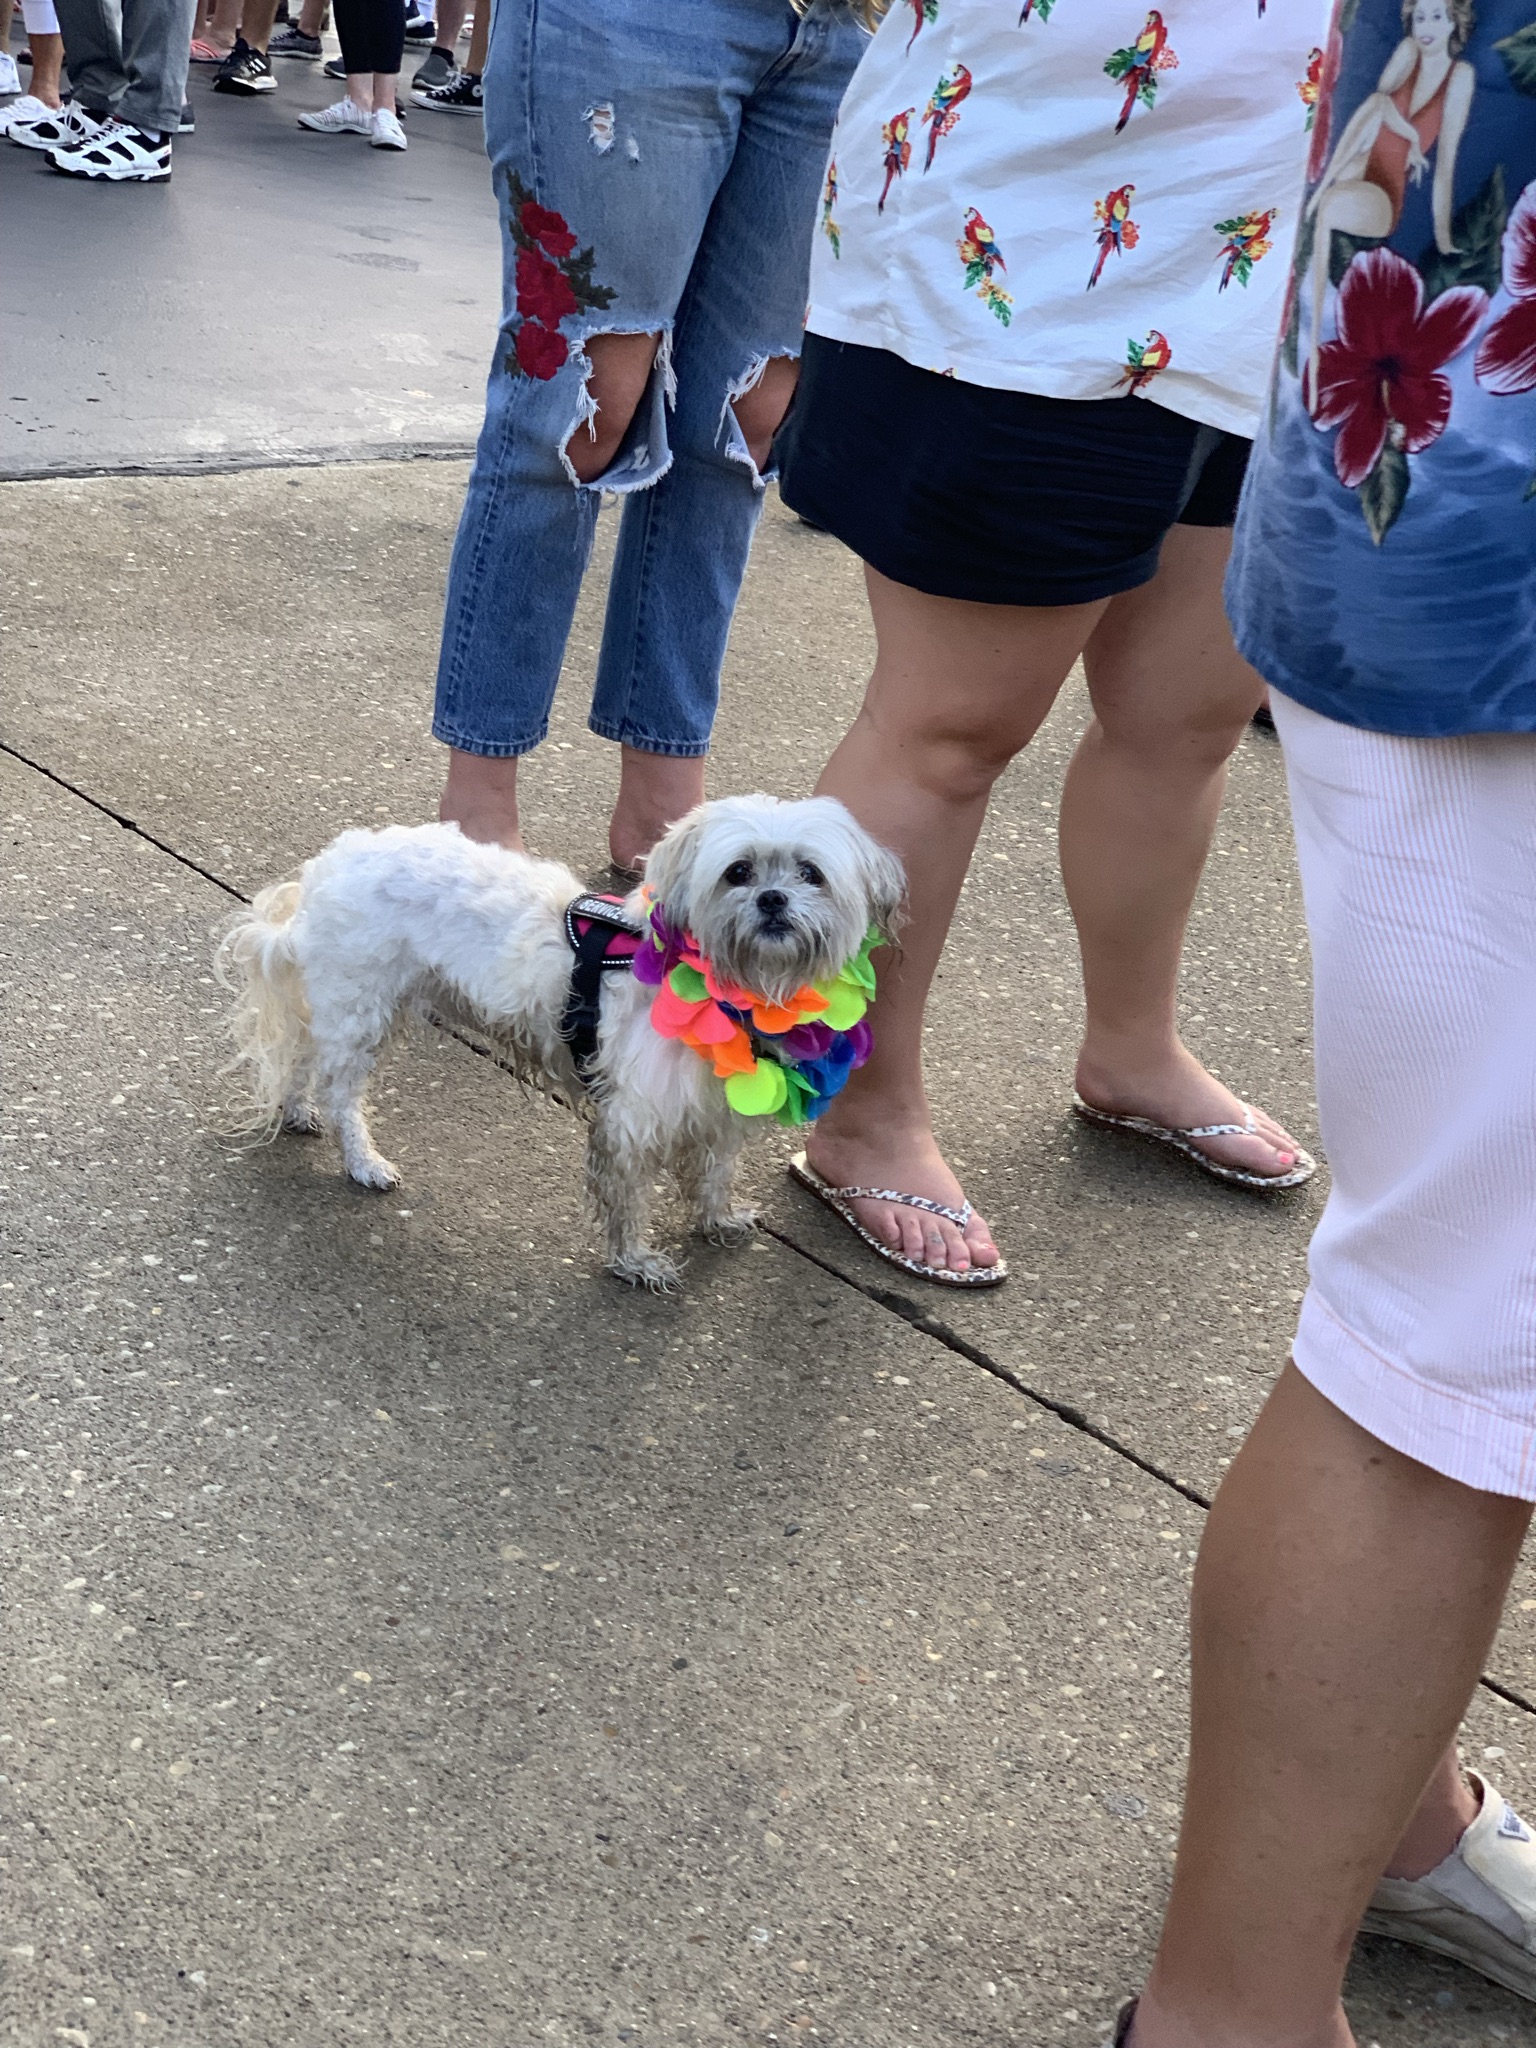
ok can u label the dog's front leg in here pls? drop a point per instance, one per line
(706, 1171)
(619, 1171)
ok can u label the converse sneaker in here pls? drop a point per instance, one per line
(435, 69)
(461, 95)
(118, 154)
(10, 77)
(245, 71)
(53, 128)
(292, 42)
(386, 130)
(344, 118)
(1479, 1906)
(419, 27)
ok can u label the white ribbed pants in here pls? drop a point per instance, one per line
(1418, 863)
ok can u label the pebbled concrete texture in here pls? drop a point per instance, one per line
(283, 706)
(285, 296)
(383, 1531)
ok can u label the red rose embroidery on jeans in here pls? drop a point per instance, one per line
(552, 281)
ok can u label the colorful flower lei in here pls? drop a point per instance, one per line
(785, 1060)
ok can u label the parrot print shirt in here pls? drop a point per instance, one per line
(1384, 566)
(1078, 198)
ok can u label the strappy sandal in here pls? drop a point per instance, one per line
(1180, 1138)
(839, 1199)
(206, 53)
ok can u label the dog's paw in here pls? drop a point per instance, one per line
(375, 1173)
(653, 1271)
(303, 1119)
(734, 1228)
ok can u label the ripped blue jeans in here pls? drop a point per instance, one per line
(659, 170)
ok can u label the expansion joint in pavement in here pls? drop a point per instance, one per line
(899, 1305)
(239, 462)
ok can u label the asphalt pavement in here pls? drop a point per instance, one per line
(415, 1637)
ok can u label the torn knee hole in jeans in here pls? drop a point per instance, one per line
(737, 446)
(637, 461)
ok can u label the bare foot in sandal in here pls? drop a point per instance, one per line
(1179, 1094)
(904, 1157)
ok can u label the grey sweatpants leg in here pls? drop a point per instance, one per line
(129, 58)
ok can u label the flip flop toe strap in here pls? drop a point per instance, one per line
(1248, 1128)
(959, 1217)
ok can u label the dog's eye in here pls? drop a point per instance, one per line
(738, 874)
(809, 872)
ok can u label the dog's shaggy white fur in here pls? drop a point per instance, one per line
(380, 923)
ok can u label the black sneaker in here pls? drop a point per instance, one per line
(187, 125)
(292, 42)
(419, 27)
(335, 68)
(245, 71)
(461, 95)
(434, 70)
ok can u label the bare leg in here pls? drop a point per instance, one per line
(957, 690)
(360, 92)
(256, 22)
(311, 14)
(480, 795)
(47, 65)
(1344, 1602)
(479, 39)
(223, 24)
(449, 20)
(1172, 697)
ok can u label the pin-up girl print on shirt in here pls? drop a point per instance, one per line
(1420, 105)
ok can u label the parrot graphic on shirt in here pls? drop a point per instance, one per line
(1311, 87)
(1246, 244)
(1117, 231)
(983, 259)
(1040, 7)
(926, 12)
(943, 109)
(1137, 66)
(829, 226)
(1143, 360)
(898, 150)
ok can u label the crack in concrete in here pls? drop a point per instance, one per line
(885, 1298)
(236, 463)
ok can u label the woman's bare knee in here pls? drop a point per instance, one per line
(621, 369)
(760, 411)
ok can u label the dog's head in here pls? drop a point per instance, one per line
(776, 894)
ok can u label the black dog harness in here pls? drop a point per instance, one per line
(604, 941)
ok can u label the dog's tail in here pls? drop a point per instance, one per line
(270, 1021)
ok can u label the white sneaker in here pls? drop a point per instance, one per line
(10, 77)
(345, 117)
(1478, 1906)
(27, 108)
(387, 132)
(118, 154)
(53, 127)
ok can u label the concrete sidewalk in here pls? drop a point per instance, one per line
(422, 1639)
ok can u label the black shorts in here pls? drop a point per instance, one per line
(1002, 497)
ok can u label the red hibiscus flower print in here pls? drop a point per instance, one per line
(543, 291)
(1381, 379)
(1506, 355)
(540, 351)
(546, 227)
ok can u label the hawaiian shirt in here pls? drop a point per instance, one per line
(1078, 198)
(1385, 563)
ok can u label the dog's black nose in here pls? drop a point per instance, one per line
(772, 902)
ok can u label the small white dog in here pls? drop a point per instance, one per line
(776, 895)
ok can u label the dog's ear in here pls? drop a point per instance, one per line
(885, 885)
(670, 865)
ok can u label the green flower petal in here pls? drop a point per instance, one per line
(687, 983)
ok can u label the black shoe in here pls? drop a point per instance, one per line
(245, 71)
(292, 42)
(335, 69)
(419, 27)
(188, 122)
(461, 95)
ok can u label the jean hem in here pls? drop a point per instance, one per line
(489, 750)
(647, 743)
